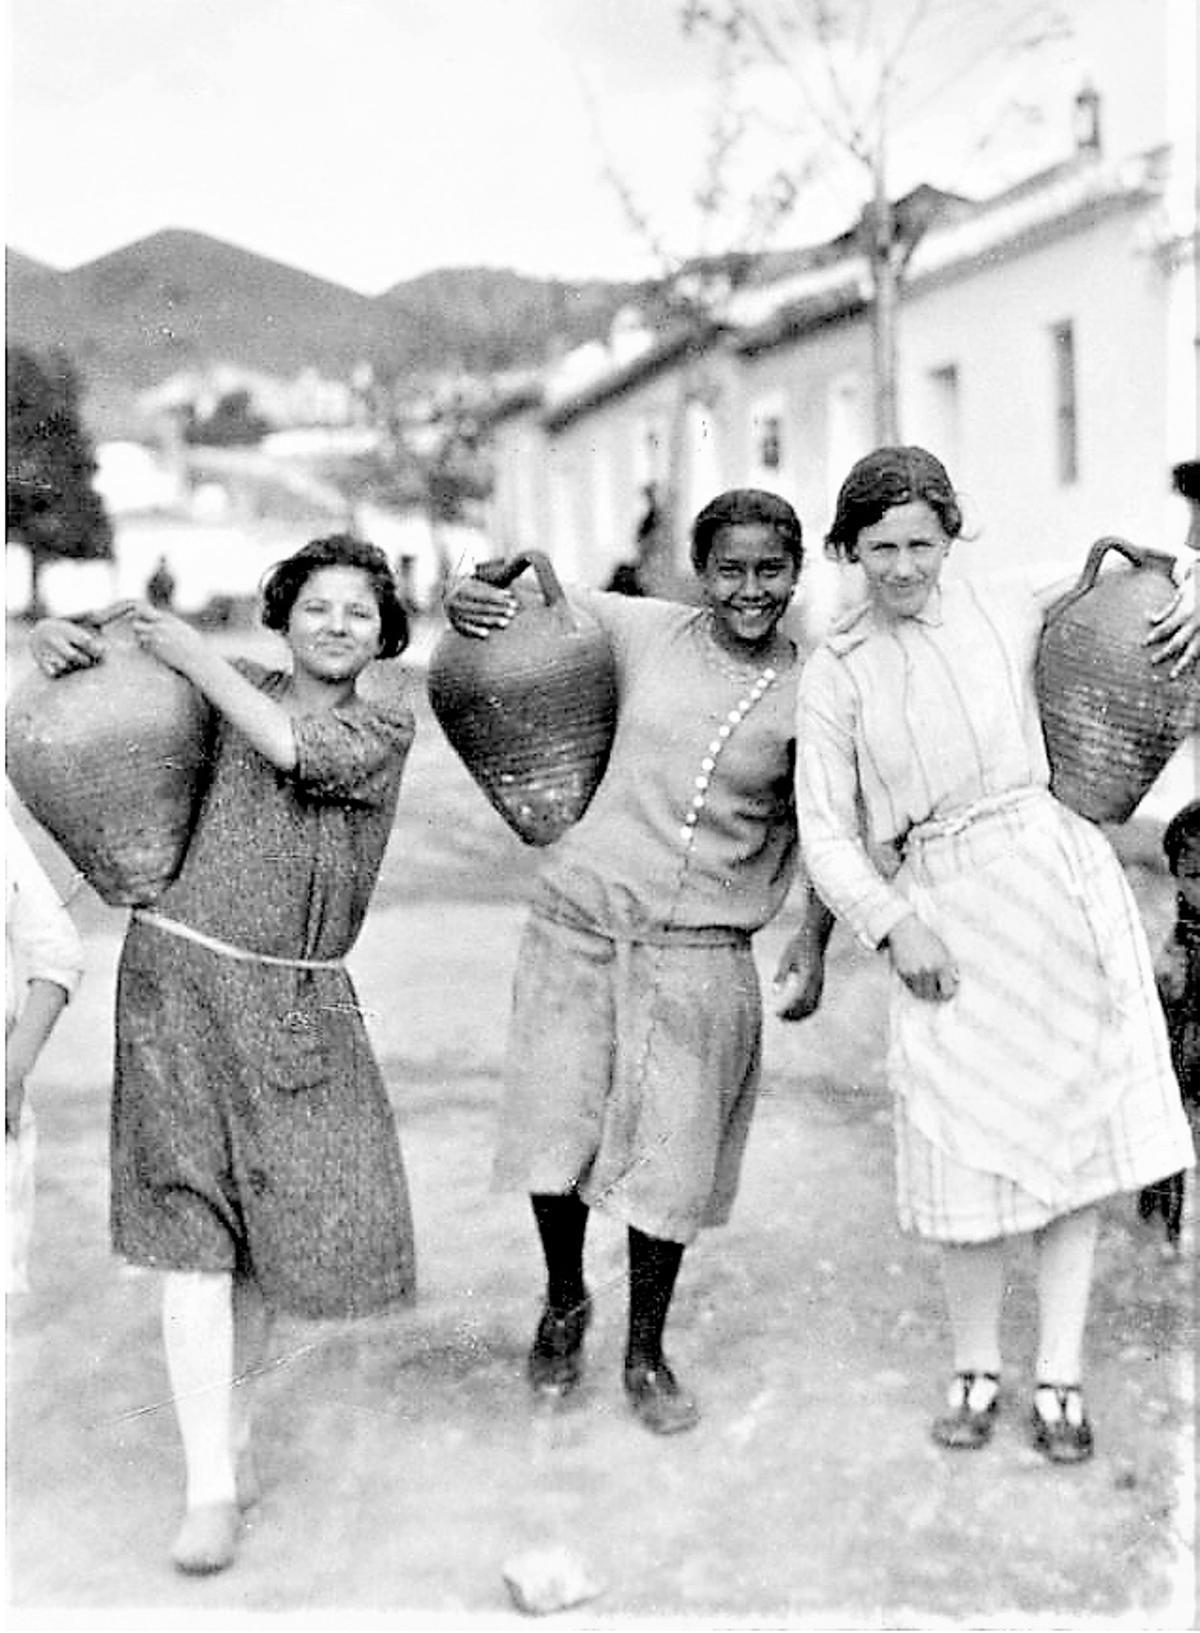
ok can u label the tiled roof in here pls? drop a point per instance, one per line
(617, 382)
(829, 283)
(518, 401)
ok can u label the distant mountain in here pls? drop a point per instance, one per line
(23, 267)
(485, 320)
(37, 300)
(177, 301)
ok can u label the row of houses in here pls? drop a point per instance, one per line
(216, 519)
(1047, 351)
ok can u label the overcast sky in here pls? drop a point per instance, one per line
(368, 141)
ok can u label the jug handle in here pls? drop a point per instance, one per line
(1157, 560)
(501, 573)
(110, 614)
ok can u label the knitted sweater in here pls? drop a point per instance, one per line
(694, 821)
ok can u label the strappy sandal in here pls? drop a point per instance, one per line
(964, 1427)
(1059, 1439)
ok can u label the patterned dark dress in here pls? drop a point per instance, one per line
(251, 1130)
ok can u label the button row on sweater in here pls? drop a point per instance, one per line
(708, 765)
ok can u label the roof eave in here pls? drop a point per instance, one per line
(608, 387)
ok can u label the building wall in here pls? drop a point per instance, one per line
(977, 383)
(994, 328)
(518, 509)
(823, 386)
(601, 462)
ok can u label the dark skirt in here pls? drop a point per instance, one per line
(251, 1131)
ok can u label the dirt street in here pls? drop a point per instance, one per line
(402, 1460)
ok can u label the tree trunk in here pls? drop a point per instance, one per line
(884, 301)
(665, 551)
(37, 607)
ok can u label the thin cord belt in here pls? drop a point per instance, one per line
(561, 911)
(185, 932)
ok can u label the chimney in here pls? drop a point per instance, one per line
(1087, 120)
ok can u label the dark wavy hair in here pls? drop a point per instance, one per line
(739, 505)
(284, 582)
(1182, 835)
(888, 477)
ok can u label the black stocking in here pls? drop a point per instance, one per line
(653, 1267)
(562, 1225)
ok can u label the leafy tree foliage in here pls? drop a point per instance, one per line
(233, 423)
(50, 504)
(458, 472)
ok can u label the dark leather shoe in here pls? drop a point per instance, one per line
(658, 1402)
(1059, 1439)
(556, 1358)
(962, 1428)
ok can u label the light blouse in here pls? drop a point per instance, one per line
(908, 722)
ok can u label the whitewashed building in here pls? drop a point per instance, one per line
(1047, 350)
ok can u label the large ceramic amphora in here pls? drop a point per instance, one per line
(1112, 718)
(531, 709)
(112, 762)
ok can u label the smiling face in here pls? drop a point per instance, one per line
(748, 581)
(902, 555)
(334, 625)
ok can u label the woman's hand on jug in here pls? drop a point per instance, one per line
(167, 638)
(1175, 631)
(477, 608)
(58, 646)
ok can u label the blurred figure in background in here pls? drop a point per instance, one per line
(160, 586)
(625, 579)
(1178, 967)
(629, 577)
(1177, 972)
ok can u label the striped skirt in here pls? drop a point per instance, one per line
(1045, 1083)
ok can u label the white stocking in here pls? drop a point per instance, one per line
(1065, 1252)
(973, 1273)
(197, 1324)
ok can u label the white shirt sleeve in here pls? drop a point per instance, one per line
(41, 939)
(829, 809)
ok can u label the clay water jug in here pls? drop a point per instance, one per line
(111, 760)
(1112, 718)
(531, 709)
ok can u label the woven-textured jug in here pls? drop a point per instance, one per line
(530, 710)
(111, 761)
(1112, 718)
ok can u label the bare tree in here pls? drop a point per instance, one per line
(691, 290)
(858, 72)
